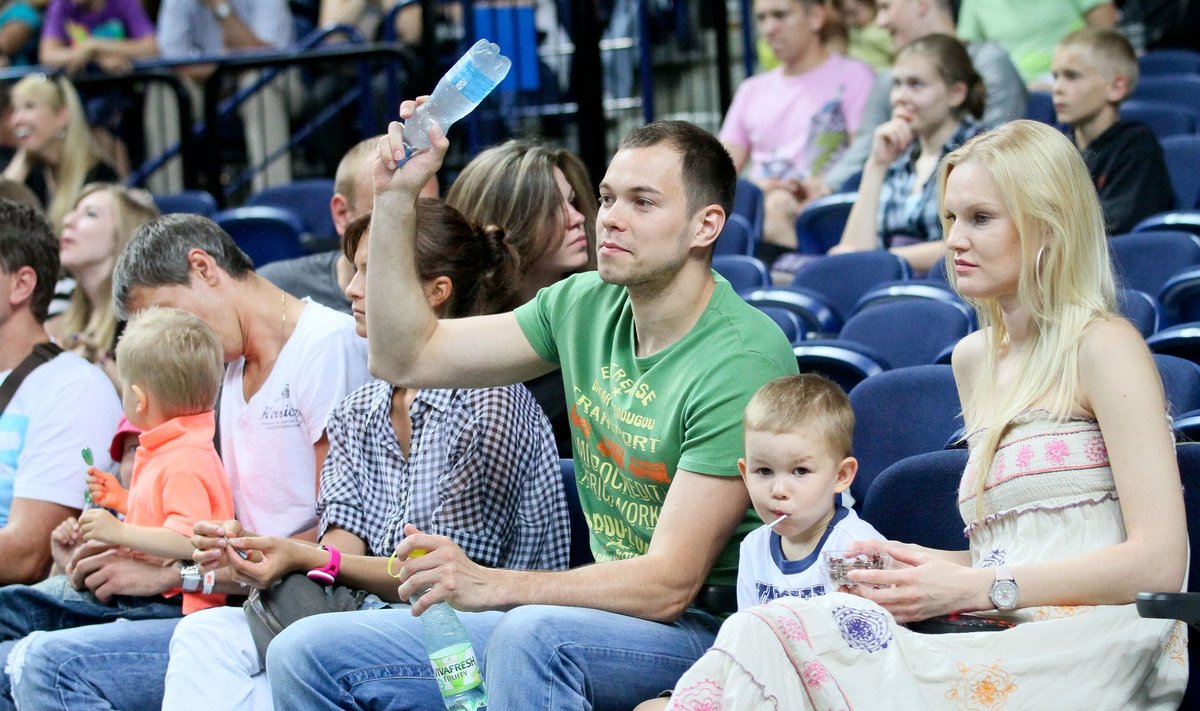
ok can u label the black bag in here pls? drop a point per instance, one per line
(292, 598)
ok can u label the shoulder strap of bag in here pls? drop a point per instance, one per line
(42, 353)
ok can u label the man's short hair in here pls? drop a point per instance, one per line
(805, 402)
(18, 192)
(158, 255)
(350, 167)
(708, 173)
(1111, 52)
(175, 357)
(27, 240)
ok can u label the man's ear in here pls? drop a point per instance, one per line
(845, 474)
(22, 285)
(202, 266)
(339, 210)
(712, 221)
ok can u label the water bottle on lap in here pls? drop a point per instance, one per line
(467, 83)
(452, 656)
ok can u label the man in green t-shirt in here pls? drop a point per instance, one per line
(658, 357)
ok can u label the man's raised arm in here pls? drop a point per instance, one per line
(409, 345)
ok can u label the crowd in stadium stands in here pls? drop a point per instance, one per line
(237, 485)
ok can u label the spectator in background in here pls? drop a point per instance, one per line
(787, 126)
(1029, 30)
(93, 235)
(56, 155)
(106, 33)
(208, 28)
(62, 406)
(20, 23)
(1094, 71)
(936, 98)
(905, 21)
(867, 41)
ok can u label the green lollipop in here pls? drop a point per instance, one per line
(87, 459)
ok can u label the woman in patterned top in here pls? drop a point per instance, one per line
(1071, 494)
(936, 97)
(476, 465)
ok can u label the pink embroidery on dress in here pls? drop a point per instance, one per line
(1095, 450)
(998, 465)
(981, 688)
(1057, 451)
(1024, 457)
(792, 629)
(815, 674)
(704, 695)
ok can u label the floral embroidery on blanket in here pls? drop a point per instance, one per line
(815, 674)
(1177, 645)
(981, 688)
(866, 630)
(1058, 612)
(704, 695)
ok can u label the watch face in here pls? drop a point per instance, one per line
(1004, 594)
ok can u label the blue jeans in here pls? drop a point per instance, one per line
(53, 604)
(545, 657)
(119, 665)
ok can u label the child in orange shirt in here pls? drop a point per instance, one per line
(170, 365)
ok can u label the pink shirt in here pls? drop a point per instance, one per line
(797, 126)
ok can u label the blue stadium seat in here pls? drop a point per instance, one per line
(735, 237)
(748, 202)
(1142, 310)
(1147, 260)
(308, 199)
(900, 413)
(1162, 118)
(195, 202)
(931, 289)
(742, 272)
(1173, 221)
(1180, 375)
(842, 279)
(1182, 154)
(915, 500)
(1178, 89)
(1040, 107)
(844, 364)
(910, 331)
(787, 321)
(1180, 298)
(820, 225)
(815, 315)
(1168, 61)
(581, 547)
(266, 234)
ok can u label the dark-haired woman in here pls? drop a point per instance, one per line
(936, 97)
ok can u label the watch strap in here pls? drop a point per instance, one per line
(327, 573)
(190, 576)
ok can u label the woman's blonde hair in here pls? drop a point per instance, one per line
(79, 153)
(98, 321)
(1066, 279)
(512, 185)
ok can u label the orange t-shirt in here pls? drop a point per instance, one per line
(177, 480)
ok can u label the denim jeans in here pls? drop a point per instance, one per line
(545, 658)
(53, 604)
(119, 665)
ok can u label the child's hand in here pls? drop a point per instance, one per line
(107, 491)
(99, 525)
(63, 540)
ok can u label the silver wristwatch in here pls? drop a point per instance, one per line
(191, 575)
(222, 11)
(1004, 593)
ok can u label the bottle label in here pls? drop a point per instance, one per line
(470, 80)
(455, 669)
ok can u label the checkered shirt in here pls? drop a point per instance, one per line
(482, 470)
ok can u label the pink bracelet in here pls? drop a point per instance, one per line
(326, 574)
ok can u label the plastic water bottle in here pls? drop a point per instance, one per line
(467, 83)
(452, 656)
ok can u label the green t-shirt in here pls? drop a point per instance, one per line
(634, 421)
(1028, 31)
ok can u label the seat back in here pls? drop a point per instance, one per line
(820, 225)
(915, 500)
(308, 199)
(265, 234)
(195, 202)
(1162, 118)
(1040, 107)
(581, 549)
(910, 331)
(899, 413)
(748, 202)
(814, 313)
(1178, 89)
(787, 321)
(1182, 155)
(735, 238)
(1180, 298)
(1141, 309)
(1147, 260)
(1168, 61)
(1180, 378)
(742, 272)
(843, 363)
(1173, 221)
(842, 279)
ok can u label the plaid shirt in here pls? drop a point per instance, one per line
(915, 218)
(482, 470)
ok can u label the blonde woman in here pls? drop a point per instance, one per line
(55, 155)
(1071, 496)
(93, 234)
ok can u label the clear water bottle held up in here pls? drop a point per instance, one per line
(467, 83)
(452, 656)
